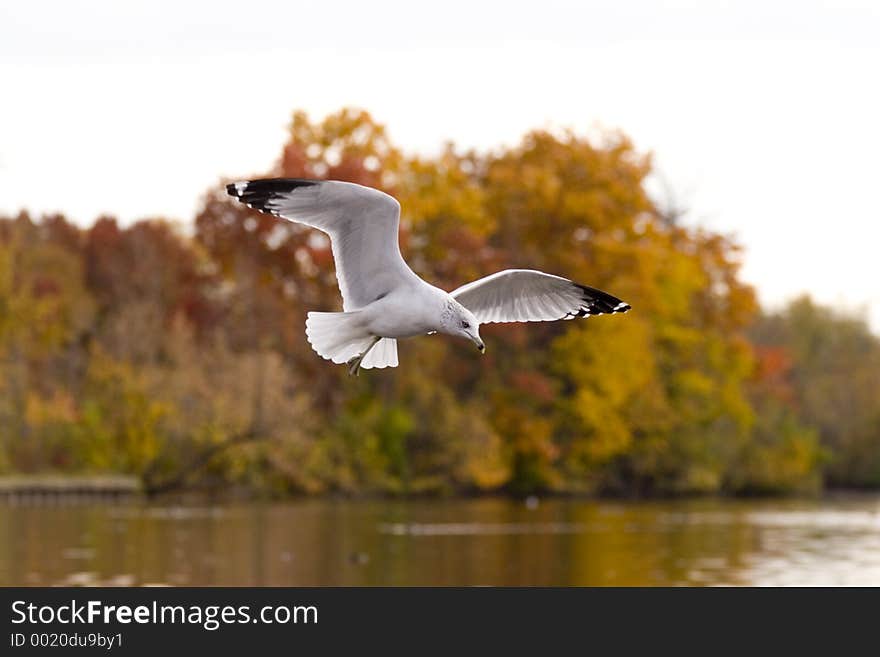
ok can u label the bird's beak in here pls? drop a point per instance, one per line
(480, 345)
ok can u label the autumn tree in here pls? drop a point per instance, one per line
(828, 372)
(182, 358)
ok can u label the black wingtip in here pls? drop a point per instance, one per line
(257, 193)
(597, 302)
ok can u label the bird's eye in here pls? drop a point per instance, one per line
(465, 325)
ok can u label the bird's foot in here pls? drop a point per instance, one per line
(354, 364)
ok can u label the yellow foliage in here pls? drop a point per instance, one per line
(140, 350)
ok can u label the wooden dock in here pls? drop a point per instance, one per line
(48, 489)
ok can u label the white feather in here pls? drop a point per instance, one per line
(337, 336)
(362, 224)
(525, 295)
(383, 354)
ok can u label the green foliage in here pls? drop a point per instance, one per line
(183, 359)
(827, 370)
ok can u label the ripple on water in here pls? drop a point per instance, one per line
(447, 542)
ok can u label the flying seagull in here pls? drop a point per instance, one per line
(383, 300)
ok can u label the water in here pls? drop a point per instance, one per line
(832, 541)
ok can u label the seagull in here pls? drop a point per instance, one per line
(383, 300)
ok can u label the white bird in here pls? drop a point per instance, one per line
(383, 300)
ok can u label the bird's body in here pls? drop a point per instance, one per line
(395, 316)
(383, 300)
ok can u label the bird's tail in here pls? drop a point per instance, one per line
(341, 336)
(384, 354)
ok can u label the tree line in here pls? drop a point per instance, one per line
(177, 352)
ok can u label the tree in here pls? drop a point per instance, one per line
(830, 378)
(184, 360)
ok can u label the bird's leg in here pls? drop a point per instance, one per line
(354, 363)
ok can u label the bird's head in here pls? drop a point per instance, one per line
(458, 320)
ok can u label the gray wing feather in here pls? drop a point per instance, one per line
(362, 223)
(525, 295)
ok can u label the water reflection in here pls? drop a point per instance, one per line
(474, 542)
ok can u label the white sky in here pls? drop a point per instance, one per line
(763, 116)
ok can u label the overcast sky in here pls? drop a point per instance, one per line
(763, 116)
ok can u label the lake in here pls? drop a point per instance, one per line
(828, 541)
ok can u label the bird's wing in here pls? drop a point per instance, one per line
(524, 295)
(362, 224)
